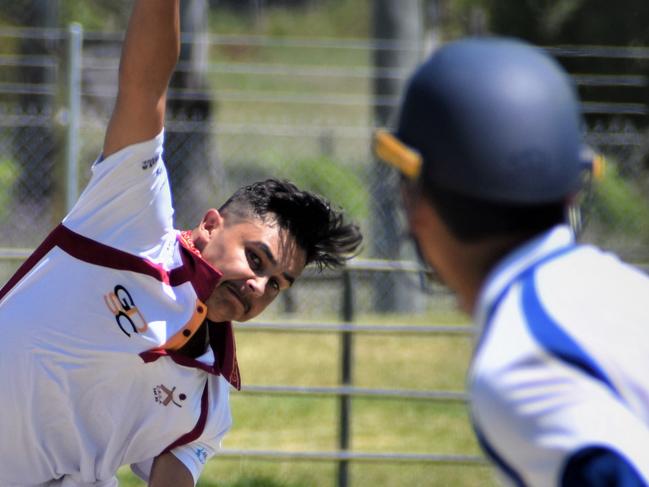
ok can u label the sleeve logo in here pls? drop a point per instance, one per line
(149, 163)
(127, 315)
(201, 454)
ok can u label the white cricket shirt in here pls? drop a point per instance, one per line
(562, 361)
(89, 377)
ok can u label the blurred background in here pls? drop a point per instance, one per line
(354, 377)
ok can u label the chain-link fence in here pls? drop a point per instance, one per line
(613, 83)
(300, 109)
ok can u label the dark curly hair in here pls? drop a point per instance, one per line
(319, 229)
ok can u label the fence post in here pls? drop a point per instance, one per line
(399, 24)
(75, 43)
(346, 357)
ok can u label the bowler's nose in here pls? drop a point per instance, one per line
(257, 285)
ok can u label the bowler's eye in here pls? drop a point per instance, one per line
(254, 260)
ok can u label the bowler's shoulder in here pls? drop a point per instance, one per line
(143, 154)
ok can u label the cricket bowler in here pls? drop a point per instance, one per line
(116, 342)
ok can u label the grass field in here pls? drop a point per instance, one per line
(378, 425)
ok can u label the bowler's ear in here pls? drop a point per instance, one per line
(213, 220)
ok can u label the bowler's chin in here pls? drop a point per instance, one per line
(223, 310)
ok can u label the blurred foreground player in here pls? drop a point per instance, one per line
(116, 345)
(488, 142)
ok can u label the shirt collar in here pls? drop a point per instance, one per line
(510, 267)
(225, 349)
(222, 342)
(186, 238)
(203, 276)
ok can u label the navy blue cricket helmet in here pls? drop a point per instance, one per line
(491, 118)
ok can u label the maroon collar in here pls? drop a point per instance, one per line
(202, 275)
(188, 241)
(204, 279)
(225, 350)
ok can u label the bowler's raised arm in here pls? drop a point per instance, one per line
(149, 55)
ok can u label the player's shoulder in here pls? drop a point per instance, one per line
(584, 263)
(587, 280)
(127, 202)
(145, 155)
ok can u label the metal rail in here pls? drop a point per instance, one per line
(619, 52)
(7, 253)
(350, 391)
(305, 327)
(355, 456)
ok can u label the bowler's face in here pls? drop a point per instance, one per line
(258, 260)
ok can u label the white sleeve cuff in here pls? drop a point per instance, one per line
(194, 456)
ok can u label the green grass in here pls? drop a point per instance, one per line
(249, 473)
